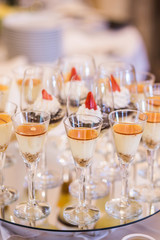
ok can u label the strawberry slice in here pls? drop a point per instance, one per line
(46, 95)
(90, 102)
(74, 76)
(115, 86)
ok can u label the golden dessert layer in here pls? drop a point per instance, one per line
(34, 80)
(127, 129)
(4, 118)
(155, 101)
(82, 134)
(30, 129)
(3, 87)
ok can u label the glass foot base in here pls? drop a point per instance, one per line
(113, 208)
(49, 179)
(34, 212)
(145, 193)
(8, 195)
(81, 216)
(94, 190)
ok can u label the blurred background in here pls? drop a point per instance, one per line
(41, 31)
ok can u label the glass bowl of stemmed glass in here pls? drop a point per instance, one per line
(150, 192)
(31, 133)
(7, 194)
(82, 132)
(127, 129)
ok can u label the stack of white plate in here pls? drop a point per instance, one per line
(38, 36)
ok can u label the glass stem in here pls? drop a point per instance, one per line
(2, 160)
(82, 185)
(124, 190)
(31, 171)
(150, 156)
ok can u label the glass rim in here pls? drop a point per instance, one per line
(146, 73)
(31, 111)
(128, 110)
(129, 67)
(89, 115)
(33, 67)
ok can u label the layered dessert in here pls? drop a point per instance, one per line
(4, 93)
(82, 143)
(127, 137)
(5, 131)
(91, 108)
(31, 139)
(151, 136)
(77, 90)
(49, 103)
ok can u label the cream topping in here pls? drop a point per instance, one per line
(51, 106)
(122, 98)
(75, 90)
(85, 111)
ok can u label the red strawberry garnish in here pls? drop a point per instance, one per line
(74, 75)
(90, 102)
(115, 86)
(46, 95)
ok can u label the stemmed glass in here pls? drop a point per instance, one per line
(48, 101)
(122, 75)
(5, 85)
(31, 87)
(127, 128)
(31, 129)
(98, 103)
(7, 194)
(69, 66)
(82, 131)
(149, 192)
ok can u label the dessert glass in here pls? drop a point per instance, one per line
(7, 194)
(31, 87)
(85, 66)
(50, 178)
(95, 187)
(5, 85)
(149, 192)
(127, 128)
(31, 133)
(82, 131)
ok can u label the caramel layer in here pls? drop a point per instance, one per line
(30, 129)
(82, 134)
(4, 118)
(127, 129)
(35, 82)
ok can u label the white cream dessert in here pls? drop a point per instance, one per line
(122, 98)
(31, 139)
(5, 131)
(82, 142)
(50, 104)
(77, 90)
(4, 93)
(127, 137)
(151, 134)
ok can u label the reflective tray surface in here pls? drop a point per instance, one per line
(59, 197)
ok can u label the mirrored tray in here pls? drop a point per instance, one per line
(59, 197)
